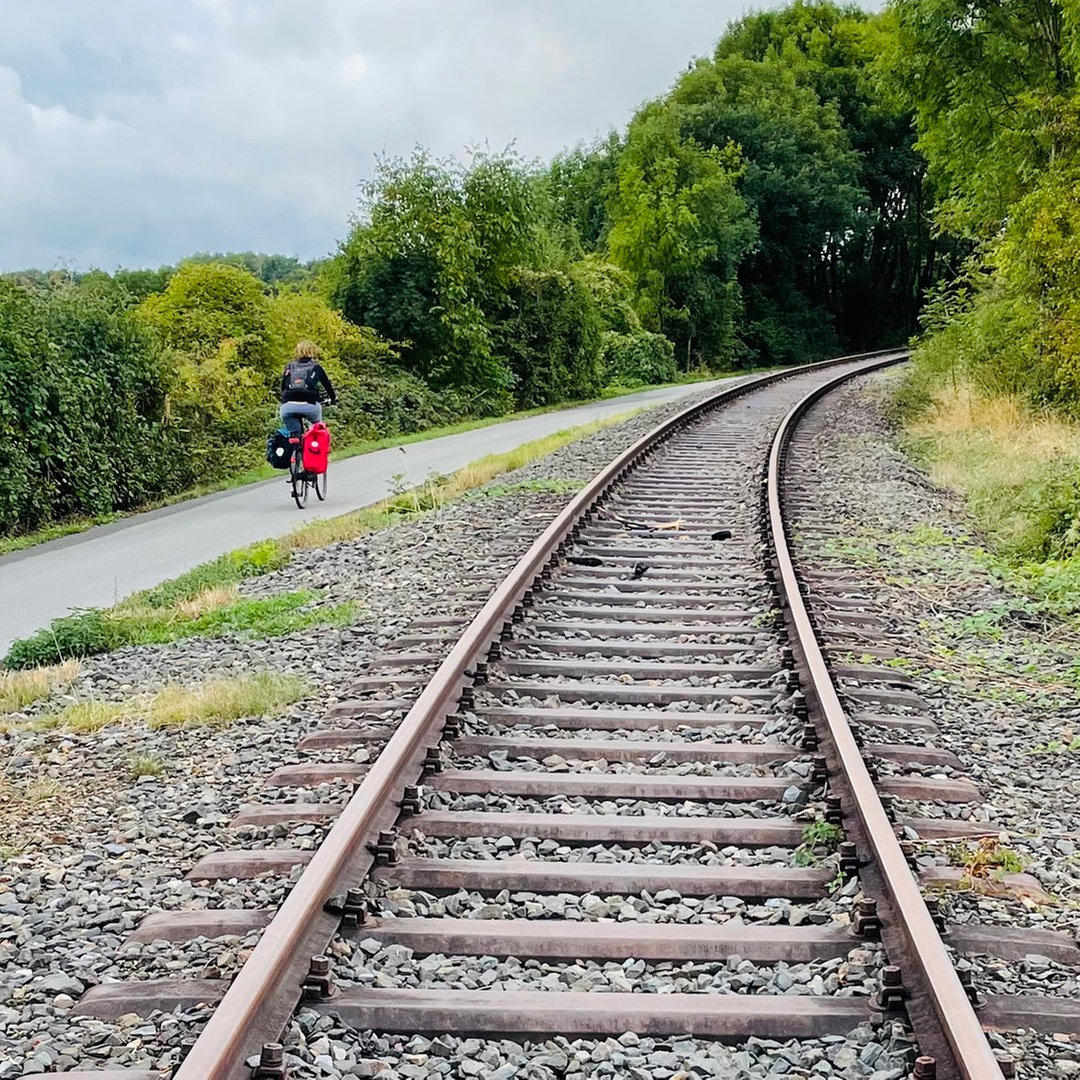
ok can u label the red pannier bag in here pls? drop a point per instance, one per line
(317, 448)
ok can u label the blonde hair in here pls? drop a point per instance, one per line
(306, 349)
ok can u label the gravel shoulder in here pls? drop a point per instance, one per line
(997, 672)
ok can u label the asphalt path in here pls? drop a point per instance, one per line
(98, 567)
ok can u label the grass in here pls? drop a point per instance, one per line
(144, 765)
(1002, 456)
(83, 717)
(221, 701)
(1019, 472)
(216, 701)
(95, 631)
(19, 689)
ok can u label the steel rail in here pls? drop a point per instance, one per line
(945, 1022)
(263, 994)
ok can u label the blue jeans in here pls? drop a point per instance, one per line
(291, 411)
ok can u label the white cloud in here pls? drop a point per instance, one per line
(133, 132)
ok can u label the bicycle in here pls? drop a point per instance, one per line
(301, 481)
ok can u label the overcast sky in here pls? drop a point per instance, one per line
(135, 132)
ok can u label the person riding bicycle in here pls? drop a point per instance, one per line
(300, 385)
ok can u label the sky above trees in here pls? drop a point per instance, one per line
(133, 132)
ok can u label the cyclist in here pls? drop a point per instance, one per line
(300, 385)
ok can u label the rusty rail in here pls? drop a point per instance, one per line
(261, 998)
(937, 1004)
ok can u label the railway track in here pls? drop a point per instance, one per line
(645, 745)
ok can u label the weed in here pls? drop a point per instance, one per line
(228, 569)
(985, 859)
(221, 701)
(41, 790)
(18, 689)
(819, 840)
(144, 765)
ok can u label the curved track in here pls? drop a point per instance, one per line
(649, 674)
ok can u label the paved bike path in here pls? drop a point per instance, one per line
(104, 564)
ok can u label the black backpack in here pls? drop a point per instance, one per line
(302, 375)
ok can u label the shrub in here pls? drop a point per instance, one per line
(638, 359)
(550, 335)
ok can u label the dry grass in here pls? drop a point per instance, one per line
(999, 453)
(85, 717)
(438, 491)
(18, 689)
(216, 701)
(211, 599)
(220, 701)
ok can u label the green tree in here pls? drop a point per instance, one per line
(680, 228)
(581, 182)
(800, 181)
(430, 260)
(885, 261)
(991, 85)
(550, 335)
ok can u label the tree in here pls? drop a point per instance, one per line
(550, 335)
(430, 260)
(206, 304)
(991, 85)
(680, 228)
(581, 182)
(799, 181)
(879, 272)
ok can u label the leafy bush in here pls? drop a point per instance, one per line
(550, 336)
(83, 426)
(638, 359)
(85, 633)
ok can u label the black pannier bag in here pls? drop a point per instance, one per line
(279, 449)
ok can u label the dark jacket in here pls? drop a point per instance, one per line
(321, 380)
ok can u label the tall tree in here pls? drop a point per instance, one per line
(431, 257)
(680, 228)
(992, 85)
(879, 272)
(800, 181)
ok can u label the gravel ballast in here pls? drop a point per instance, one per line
(997, 675)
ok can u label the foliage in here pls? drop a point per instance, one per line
(550, 337)
(83, 428)
(431, 259)
(680, 229)
(992, 87)
(581, 182)
(638, 359)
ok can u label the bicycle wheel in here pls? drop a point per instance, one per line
(299, 480)
(320, 485)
